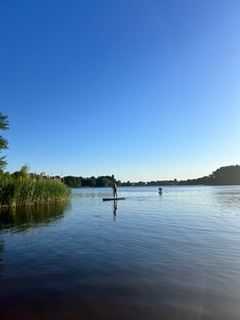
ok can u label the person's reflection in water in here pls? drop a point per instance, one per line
(114, 210)
(1, 256)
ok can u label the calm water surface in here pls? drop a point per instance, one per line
(175, 256)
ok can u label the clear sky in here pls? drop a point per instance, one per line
(140, 88)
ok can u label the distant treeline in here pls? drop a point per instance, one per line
(106, 181)
(229, 175)
(77, 182)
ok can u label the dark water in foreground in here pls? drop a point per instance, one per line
(175, 256)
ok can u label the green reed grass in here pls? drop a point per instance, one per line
(24, 189)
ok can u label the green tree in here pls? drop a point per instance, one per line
(3, 142)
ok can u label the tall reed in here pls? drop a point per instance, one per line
(24, 189)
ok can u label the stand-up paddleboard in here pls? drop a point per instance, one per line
(113, 199)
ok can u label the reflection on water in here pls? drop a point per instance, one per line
(148, 257)
(1, 256)
(228, 198)
(114, 210)
(22, 218)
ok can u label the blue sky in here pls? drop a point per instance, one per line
(139, 88)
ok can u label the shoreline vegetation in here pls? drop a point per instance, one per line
(228, 175)
(23, 189)
(27, 189)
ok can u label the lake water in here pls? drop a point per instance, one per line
(175, 256)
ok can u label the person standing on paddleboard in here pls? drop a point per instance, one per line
(114, 187)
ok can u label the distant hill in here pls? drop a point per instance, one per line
(229, 175)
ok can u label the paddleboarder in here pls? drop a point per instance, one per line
(114, 187)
